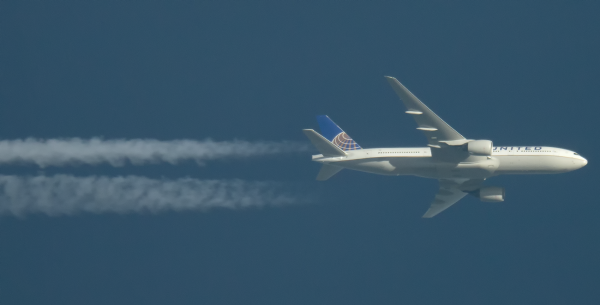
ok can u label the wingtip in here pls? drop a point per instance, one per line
(429, 214)
(392, 80)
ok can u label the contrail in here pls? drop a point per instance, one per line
(66, 195)
(59, 152)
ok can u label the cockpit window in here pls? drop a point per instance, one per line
(576, 154)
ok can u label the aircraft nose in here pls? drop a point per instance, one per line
(578, 163)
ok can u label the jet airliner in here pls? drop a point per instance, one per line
(461, 165)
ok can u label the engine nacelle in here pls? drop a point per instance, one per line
(491, 194)
(480, 147)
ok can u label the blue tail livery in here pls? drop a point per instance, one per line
(335, 134)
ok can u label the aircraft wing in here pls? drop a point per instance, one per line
(450, 192)
(436, 130)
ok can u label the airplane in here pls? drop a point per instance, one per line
(460, 164)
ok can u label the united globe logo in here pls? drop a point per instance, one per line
(343, 141)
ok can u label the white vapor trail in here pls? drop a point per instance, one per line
(66, 195)
(59, 152)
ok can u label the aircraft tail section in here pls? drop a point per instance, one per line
(325, 147)
(327, 171)
(332, 142)
(335, 134)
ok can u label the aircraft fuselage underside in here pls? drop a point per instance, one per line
(419, 162)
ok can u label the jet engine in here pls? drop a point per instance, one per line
(480, 147)
(491, 194)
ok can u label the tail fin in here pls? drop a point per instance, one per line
(335, 134)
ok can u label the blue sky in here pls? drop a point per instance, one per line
(518, 73)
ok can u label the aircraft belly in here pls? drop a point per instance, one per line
(422, 167)
(426, 167)
(381, 167)
(392, 166)
(533, 164)
(471, 168)
(474, 167)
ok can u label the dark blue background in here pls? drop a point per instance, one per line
(516, 73)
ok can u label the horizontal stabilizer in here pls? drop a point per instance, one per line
(327, 171)
(325, 147)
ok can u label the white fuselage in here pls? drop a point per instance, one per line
(418, 161)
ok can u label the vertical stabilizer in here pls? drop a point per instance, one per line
(335, 134)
